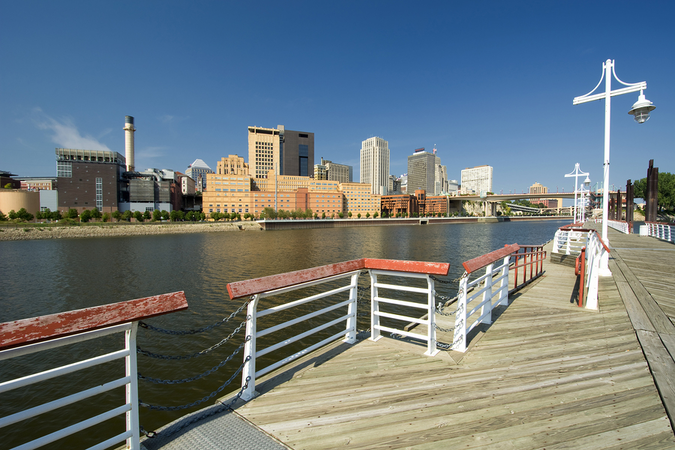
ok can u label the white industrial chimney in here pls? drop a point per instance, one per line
(129, 142)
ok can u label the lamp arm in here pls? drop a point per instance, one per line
(641, 83)
(577, 99)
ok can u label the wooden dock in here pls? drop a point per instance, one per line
(546, 374)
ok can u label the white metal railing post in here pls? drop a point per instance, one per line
(431, 312)
(350, 335)
(375, 334)
(569, 242)
(556, 241)
(459, 338)
(131, 369)
(248, 373)
(504, 285)
(486, 309)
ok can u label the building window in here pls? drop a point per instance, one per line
(99, 193)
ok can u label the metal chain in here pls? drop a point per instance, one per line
(445, 281)
(197, 417)
(193, 355)
(149, 327)
(196, 377)
(211, 395)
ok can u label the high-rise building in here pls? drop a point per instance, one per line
(333, 171)
(197, 171)
(287, 152)
(375, 164)
(477, 180)
(422, 171)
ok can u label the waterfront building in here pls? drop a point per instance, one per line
(232, 165)
(188, 192)
(15, 199)
(197, 171)
(6, 178)
(320, 171)
(538, 188)
(37, 183)
(453, 187)
(477, 180)
(151, 189)
(337, 172)
(359, 199)
(375, 164)
(419, 204)
(422, 171)
(227, 193)
(89, 179)
(287, 152)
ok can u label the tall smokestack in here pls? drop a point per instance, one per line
(129, 142)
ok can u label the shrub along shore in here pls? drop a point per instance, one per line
(27, 231)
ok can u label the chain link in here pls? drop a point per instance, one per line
(149, 327)
(193, 355)
(196, 377)
(445, 281)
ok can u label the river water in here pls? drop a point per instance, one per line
(48, 276)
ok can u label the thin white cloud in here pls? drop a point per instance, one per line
(168, 118)
(65, 134)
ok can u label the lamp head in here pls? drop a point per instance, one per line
(641, 109)
(587, 182)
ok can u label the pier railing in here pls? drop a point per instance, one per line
(588, 269)
(336, 305)
(39, 334)
(621, 226)
(482, 294)
(569, 239)
(661, 231)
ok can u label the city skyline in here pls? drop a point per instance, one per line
(488, 84)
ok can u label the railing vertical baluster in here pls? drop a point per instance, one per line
(487, 295)
(248, 372)
(459, 338)
(431, 313)
(131, 388)
(374, 307)
(504, 284)
(350, 335)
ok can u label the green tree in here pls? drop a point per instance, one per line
(165, 215)
(3, 217)
(367, 215)
(127, 215)
(270, 213)
(190, 216)
(8, 186)
(215, 216)
(666, 187)
(375, 214)
(85, 216)
(202, 216)
(138, 216)
(106, 217)
(117, 215)
(341, 215)
(308, 213)
(323, 215)
(176, 215)
(358, 215)
(156, 215)
(147, 215)
(71, 214)
(96, 214)
(349, 214)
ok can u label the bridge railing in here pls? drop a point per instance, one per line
(45, 333)
(329, 296)
(661, 231)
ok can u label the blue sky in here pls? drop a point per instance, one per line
(486, 82)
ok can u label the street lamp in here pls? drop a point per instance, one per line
(576, 174)
(640, 112)
(584, 199)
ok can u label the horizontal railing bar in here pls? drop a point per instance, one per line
(477, 307)
(35, 329)
(476, 294)
(403, 333)
(477, 322)
(55, 404)
(400, 317)
(396, 287)
(303, 352)
(113, 440)
(295, 338)
(302, 318)
(61, 341)
(306, 284)
(401, 303)
(63, 370)
(392, 273)
(302, 301)
(44, 440)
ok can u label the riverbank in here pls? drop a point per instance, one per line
(32, 231)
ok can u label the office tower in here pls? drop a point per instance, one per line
(422, 171)
(375, 164)
(232, 165)
(287, 152)
(333, 171)
(477, 180)
(197, 171)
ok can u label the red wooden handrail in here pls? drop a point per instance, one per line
(36, 329)
(482, 261)
(245, 288)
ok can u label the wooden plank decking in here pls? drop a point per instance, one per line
(546, 374)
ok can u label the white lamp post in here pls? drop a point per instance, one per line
(584, 199)
(576, 174)
(640, 111)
